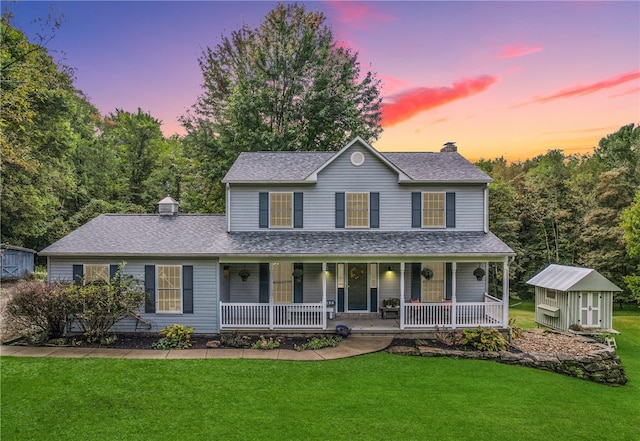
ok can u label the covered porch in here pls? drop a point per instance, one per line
(316, 295)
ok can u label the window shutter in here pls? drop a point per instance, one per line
(297, 285)
(449, 281)
(416, 283)
(150, 288)
(263, 216)
(416, 209)
(374, 210)
(451, 210)
(113, 269)
(339, 210)
(298, 210)
(78, 274)
(187, 289)
(264, 283)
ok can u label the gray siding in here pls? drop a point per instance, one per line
(204, 319)
(468, 288)
(372, 176)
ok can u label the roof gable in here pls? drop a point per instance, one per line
(571, 278)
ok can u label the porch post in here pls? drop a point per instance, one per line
(505, 292)
(324, 295)
(454, 311)
(271, 296)
(401, 295)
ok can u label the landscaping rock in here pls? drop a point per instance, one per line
(213, 344)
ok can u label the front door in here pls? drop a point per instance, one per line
(590, 309)
(357, 287)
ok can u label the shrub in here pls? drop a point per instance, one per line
(263, 343)
(450, 339)
(98, 306)
(516, 331)
(235, 340)
(484, 339)
(40, 307)
(174, 337)
(319, 343)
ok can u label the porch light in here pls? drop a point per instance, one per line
(225, 271)
(389, 269)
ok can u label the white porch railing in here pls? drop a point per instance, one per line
(272, 316)
(467, 314)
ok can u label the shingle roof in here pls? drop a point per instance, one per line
(571, 278)
(297, 166)
(205, 235)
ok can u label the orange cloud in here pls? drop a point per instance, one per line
(589, 88)
(406, 105)
(518, 51)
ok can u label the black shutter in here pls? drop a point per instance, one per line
(297, 285)
(340, 299)
(374, 210)
(416, 209)
(416, 283)
(150, 288)
(298, 210)
(263, 215)
(187, 289)
(78, 274)
(264, 283)
(449, 281)
(373, 300)
(451, 210)
(339, 210)
(113, 269)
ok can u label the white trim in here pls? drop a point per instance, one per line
(158, 311)
(228, 206)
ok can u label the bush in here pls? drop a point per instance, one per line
(174, 337)
(40, 307)
(98, 306)
(484, 339)
(263, 343)
(319, 343)
(235, 340)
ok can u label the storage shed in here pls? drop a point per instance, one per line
(567, 295)
(17, 262)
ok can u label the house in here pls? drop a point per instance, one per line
(17, 262)
(570, 297)
(309, 235)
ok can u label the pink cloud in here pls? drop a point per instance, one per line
(406, 105)
(391, 84)
(517, 50)
(589, 88)
(356, 14)
(635, 90)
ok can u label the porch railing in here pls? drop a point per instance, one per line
(467, 314)
(272, 316)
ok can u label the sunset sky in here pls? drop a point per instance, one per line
(511, 79)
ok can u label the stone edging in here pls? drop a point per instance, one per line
(602, 365)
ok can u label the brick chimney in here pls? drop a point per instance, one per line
(449, 147)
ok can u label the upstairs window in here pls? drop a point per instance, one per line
(96, 273)
(281, 210)
(357, 210)
(433, 205)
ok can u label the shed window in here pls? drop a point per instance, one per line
(550, 294)
(169, 288)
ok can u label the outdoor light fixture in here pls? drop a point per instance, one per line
(389, 268)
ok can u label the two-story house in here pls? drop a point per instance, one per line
(307, 233)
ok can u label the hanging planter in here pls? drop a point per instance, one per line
(297, 274)
(427, 273)
(244, 274)
(479, 273)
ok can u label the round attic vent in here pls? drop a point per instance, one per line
(357, 159)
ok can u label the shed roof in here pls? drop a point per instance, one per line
(571, 278)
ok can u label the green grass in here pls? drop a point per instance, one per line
(374, 397)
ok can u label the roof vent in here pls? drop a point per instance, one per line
(449, 147)
(168, 206)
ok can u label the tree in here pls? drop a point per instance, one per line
(631, 227)
(283, 86)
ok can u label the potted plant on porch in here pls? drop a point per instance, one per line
(479, 273)
(427, 273)
(244, 274)
(297, 274)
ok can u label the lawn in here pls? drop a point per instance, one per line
(374, 397)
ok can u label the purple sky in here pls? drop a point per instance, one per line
(500, 78)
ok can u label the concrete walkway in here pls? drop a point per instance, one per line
(349, 347)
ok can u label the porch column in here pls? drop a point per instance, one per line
(271, 296)
(454, 312)
(401, 295)
(505, 292)
(324, 295)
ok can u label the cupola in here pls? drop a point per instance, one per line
(168, 206)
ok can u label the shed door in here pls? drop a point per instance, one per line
(590, 309)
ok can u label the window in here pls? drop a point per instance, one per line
(357, 210)
(283, 282)
(169, 288)
(433, 289)
(281, 210)
(96, 273)
(550, 294)
(433, 205)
